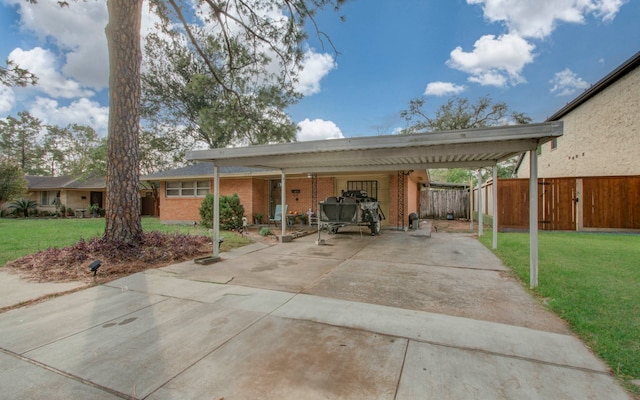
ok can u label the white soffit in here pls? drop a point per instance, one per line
(469, 148)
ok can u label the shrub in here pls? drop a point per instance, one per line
(231, 212)
(264, 231)
(23, 206)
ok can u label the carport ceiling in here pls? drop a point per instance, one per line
(469, 148)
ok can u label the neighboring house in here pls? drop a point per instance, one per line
(182, 191)
(601, 130)
(52, 192)
(590, 176)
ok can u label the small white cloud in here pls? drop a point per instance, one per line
(315, 66)
(82, 111)
(318, 129)
(494, 61)
(42, 63)
(443, 89)
(538, 18)
(489, 78)
(566, 83)
(7, 99)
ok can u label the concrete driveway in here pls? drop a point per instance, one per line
(397, 316)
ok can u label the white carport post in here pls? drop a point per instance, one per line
(533, 219)
(495, 207)
(283, 201)
(480, 219)
(216, 212)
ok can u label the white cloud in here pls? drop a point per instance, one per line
(78, 33)
(494, 61)
(443, 89)
(82, 111)
(318, 129)
(499, 61)
(315, 66)
(42, 63)
(566, 83)
(538, 18)
(7, 99)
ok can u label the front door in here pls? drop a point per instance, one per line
(96, 198)
(275, 195)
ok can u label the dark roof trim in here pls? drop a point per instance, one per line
(628, 66)
(447, 185)
(64, 182)
(202, 169)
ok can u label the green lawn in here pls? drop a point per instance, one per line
(592, 281)
(20, 237)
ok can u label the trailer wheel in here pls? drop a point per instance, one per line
(375, 228)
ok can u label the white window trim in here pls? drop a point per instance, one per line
(51, 196)
(198, 187)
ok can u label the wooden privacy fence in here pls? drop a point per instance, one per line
(436, 203)
(572, 203)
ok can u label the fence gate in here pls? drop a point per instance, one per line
(557, 205)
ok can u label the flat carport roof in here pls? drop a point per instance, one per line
(468, 148)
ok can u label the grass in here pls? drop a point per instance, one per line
(21, 237)
(592, 281)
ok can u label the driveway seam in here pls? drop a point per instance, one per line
(68, 375)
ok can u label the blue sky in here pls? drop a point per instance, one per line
(535, 55)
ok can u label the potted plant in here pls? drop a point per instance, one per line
(292, 217)
(93, 209)
(257, 218)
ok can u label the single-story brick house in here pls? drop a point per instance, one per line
(182, 190)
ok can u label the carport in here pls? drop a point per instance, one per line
(469, 148)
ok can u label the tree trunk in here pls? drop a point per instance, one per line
(125, 56)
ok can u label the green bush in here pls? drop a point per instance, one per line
(264, 231)
(24, 206)
(231, 212)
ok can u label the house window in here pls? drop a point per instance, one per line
(371, 187)
(187, 189)
(49, 198)
(554, 143)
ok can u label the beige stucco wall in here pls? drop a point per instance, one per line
(601, 137)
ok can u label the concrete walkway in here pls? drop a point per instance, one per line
(398, 316)
(17, 291)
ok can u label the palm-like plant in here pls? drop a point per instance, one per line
(23, 206)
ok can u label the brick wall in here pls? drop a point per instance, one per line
(254, 196)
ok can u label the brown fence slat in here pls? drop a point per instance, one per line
(513, 203)
(611, 202)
